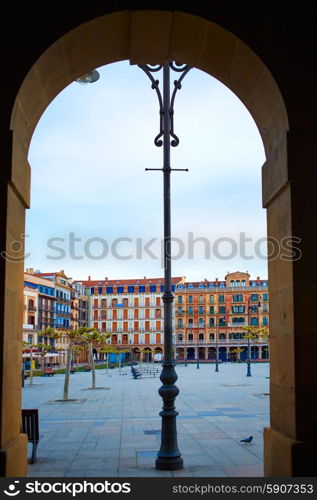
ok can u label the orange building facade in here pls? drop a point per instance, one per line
(211, 315)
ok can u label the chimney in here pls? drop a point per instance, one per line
(258, 278)
(89, 278)
(106, 278)
(145, 277)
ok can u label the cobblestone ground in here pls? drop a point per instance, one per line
(114, 431)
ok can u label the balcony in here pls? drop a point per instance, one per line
(196, 325)
(220, 342)
(27, 326)
(237, 325)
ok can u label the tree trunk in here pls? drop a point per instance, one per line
(93, 370)
(67, 371)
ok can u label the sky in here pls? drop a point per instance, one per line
(96, 212)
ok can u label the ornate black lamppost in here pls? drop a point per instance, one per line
(249, 352)
(217, 348)
(197, 364)
(169, 457)
(250, 308)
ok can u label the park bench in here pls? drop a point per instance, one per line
(137, 373)
(87, 368)
(30, 426)
(48, 372)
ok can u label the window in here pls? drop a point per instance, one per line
(238, 297)
(211, 309)
(211, 298)
(190, 309)
(211, 321)
(222, 309)
(130, 289)
(231, 283)
(190, 299)
(120, 289)
(254, 296)
(141, 289)
(265, 321)
(152, 288)
(243, 283)
(254, 321)
(180, 323)
(100, 290)
(201, 321)
(201, 299)
(221, 298)
(201, 310)
(239, 319)
(237, 282)
(180, 336)
(265, 297)
(180, 309)
(201, 336)
(109, 289)
(162, 288)
(265, 308)
(238, 309)
(222, 321)
(222, 336)
(180, 299)
(211, 336)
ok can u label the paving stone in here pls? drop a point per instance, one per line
(104, 435)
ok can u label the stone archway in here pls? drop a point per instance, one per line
(154, 37)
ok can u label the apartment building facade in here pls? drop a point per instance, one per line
(131, 311)
(211, 315)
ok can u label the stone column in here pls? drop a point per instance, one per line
(14, 198)
(290, 194)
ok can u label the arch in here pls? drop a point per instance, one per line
(157, 36)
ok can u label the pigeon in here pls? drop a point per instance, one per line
(246, 440)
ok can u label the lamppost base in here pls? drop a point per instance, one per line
(217, 368)
(169, 463)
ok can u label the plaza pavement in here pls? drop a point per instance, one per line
(102, 433)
